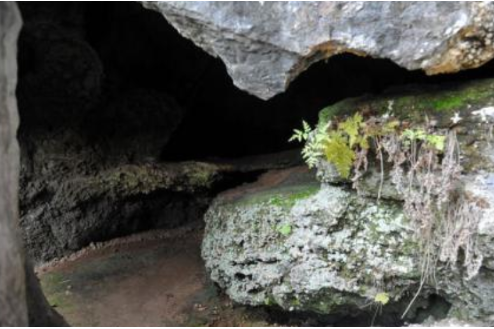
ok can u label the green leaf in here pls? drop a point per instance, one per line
(339, 154)
(351, 127)
(301, 135)
(382, 298)
(364, 142)
(390, 127)
(306, 126)
(414, 134)
(437, 141)
(285, 229)
(421, 134)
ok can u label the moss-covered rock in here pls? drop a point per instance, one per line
(432, 106)
(419, 103)
(467, 109)
(288, 241)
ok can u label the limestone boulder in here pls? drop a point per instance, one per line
(287, 241)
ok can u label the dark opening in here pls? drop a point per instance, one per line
(107, 86)
(130, 64)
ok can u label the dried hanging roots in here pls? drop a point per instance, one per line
(425, 171)
(445, 220)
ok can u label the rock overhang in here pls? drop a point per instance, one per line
(266, 45)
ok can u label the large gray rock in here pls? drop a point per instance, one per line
(468, 287)
(265, 45)
(286, 241)
(13, 310)
(289, 241)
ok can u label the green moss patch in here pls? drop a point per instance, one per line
(414, 104)
(288, 200)
(56, 287)
(297, 187)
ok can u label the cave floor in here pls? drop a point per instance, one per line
(149, 279)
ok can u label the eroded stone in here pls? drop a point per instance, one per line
(287, 241)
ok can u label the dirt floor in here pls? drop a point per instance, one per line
(151, 279)
(155, 278)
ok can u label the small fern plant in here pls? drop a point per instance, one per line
(315, 142)
(341, 142)
(337, 143)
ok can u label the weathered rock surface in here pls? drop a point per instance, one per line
(97, 123)
(287, 241)
(472, 102)
(13, 311)
(290, 241)
(62, 214)
(449, 322)
(87, 147)
(78, 186)
(22, 302)
(265, 45)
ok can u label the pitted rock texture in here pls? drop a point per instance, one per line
(287, 241)
(265, 45)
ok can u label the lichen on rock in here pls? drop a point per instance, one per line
(341, 250)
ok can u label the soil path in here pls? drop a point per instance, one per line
(142, 281)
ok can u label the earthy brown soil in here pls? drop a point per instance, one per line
(152, 279)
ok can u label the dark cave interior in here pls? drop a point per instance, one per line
(106, 85)
(124, 62)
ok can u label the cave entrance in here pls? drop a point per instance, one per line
(127, 127)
